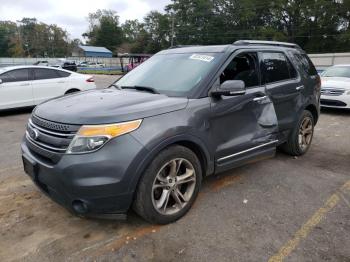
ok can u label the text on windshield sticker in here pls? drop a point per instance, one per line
(205, 58)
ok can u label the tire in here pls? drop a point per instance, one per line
(294, 146)
(159, 183)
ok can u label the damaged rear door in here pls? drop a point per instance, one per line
(243, 127)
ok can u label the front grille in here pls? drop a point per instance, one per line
(332, 91)
(53, 125)
(48, 138)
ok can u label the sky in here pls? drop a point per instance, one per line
(72, 14)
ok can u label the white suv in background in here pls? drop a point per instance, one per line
(22, 86)
(335, 91)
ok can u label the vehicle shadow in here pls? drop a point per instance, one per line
(17, 111)
(336, 111)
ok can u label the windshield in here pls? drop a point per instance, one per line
(338, 71)
(171, 74)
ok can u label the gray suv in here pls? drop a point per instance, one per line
(148, 140)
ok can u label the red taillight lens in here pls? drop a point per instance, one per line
(90, 80)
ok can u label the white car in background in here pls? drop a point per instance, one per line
(22, 86)
(42, 63)
(335, 90)
(91, 64)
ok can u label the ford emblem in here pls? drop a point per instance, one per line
(34, 134)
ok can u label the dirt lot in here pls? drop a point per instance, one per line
(291, 209)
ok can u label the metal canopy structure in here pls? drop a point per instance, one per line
(95, 51)
(134, 60)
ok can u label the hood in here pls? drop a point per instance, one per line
(336, 82)
(107, 106)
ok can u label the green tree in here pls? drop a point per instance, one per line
(104, 29)
(8, 33)
(195, 21)
(150, 36)
(41, 40)
(316, 25)
(132, 29)
(157, 26)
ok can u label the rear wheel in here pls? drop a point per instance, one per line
(301, 136)
(169, 186)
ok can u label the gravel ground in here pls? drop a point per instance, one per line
(285, 208)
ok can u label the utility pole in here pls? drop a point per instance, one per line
(172, 29)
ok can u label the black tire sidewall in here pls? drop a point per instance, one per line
(143, 201)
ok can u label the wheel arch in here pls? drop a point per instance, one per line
(72, 90)
(199, 152)
(313, 110)
(191, 142)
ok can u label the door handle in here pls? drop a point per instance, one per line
(24, 84)
(298, 88)
(60, 82)
(258, 99)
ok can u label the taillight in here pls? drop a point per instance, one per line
(90, 80)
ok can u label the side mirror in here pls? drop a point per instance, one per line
(0, 81)
(230, 88)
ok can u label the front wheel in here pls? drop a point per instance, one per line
(300, 139)
(169, 186)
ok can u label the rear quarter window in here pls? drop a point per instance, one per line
(305, 63)
(63, 74)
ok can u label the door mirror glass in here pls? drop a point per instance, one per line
(230, 88)
(0, 81)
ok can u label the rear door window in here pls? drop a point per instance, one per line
(42, 73)
(18, 75)
(276, 67)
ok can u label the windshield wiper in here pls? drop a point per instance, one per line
(142, 88)
(115, 85)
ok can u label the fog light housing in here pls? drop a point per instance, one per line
(79, 207)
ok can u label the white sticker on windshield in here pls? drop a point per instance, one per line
(205, 58)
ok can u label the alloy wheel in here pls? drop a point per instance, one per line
(173, 186)
(305, 133)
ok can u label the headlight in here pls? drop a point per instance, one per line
(91, 138)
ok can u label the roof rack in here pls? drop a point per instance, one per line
(272, 43)
(181, 46)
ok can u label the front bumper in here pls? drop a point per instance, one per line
(342, 101)
(93, 185)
